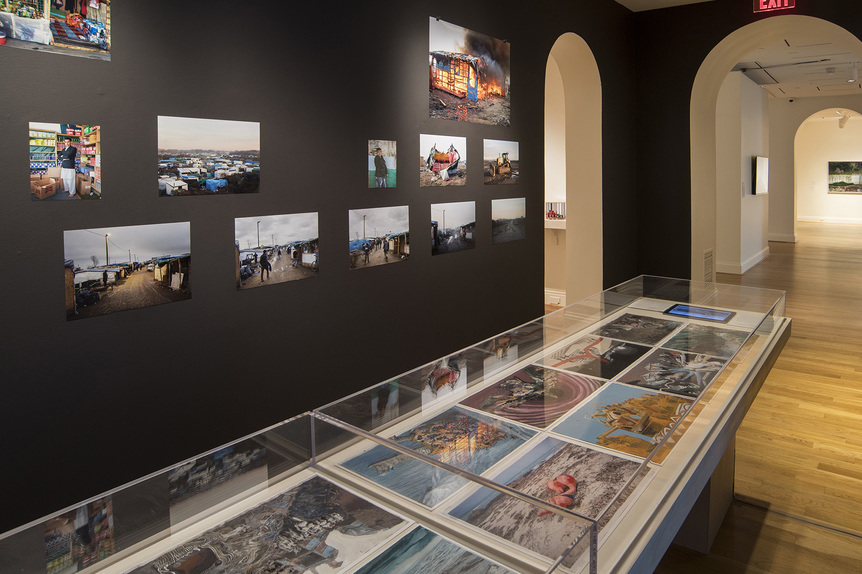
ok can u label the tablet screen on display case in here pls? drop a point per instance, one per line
(682, 310)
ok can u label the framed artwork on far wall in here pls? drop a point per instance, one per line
(845, 177)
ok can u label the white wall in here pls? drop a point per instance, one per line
(741, 133)
(818, 142)
(555, 180)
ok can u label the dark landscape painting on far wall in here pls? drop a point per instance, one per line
(845, 177)
(453, 226)
(469, 75)
(508, 219)
(112, 269)
(208, 157)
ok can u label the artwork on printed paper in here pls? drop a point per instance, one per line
(206, 481)
(534, 395)
(574, 477)
(625, 418)
(80, 538)
(444, 379)
(378, 236)
(508, 220)
(595, 356)
(445, 162)
(65, 161)
(845, 177)
(421, 551)
(453, 226)
(316, 527)
(469, 75)
(707, 340)
(208, 157)
(501, 161)
(470, 441)
(273, 249)
(80, 29)
(638, 329)
(677, 372)
(111, 269)
(382, 164)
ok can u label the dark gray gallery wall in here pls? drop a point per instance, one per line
(91, 404)
(671, 46)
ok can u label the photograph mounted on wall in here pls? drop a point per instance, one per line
(845, 177)
(469, 75)
(208, 157)
(65, 161)
(382, 165)
(508, 219)
(502, 162)
(114, 269)
(80, 538)
(79, 28)
(452, 227)
(273, 249)
(446, 162)
(378, 236)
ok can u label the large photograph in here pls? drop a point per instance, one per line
(112, 269)
(79, 28)
(469, 75)
(508, 220)
(453, 226)
(65, 161)
(314, 528)
(445, 163)
(273, 249)
(845, 177)
(208, 157)
(501, 161)
(378, 236)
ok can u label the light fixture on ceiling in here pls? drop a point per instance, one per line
(842, 121)
(852, 74)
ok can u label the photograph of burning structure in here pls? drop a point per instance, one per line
(119, 268)
(275, 248)
(378, 236)
(381, 164)
(508, 219)
(501, 162)
(469, 75)
(208, 157)
(445, 163)
(452, 227)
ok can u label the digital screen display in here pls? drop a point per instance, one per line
(681, 310)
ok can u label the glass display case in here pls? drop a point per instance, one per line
(573, 443)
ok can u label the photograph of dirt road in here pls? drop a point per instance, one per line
(508, 219)
(119, 268)
(378, 236)
(275, 248)
(452, 227)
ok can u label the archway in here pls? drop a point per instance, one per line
(712, 73)
(574, 101)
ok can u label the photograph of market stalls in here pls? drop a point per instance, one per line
(73, 27)
(114, 269)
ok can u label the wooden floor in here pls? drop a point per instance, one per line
(798, 504)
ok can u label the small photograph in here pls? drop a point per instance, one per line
(845, 177)
(320, 528)
(467, 440)
(112, 269)
(208, 157)
(79, 538)
(508, 220)
(378, 236)
(424, 552)
(444, 379)
(80, 28)
(625, 418)
(501, 162)
(638, 329)
(446, 162)
(273, 249)
(207, 481)
(65, 161)
(534, 395)
(708, 340)
(469, 75)
(686, 374)
(571, 476)
(381, 164)
(452, 227)
(595, 356)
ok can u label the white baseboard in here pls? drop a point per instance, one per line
(782, 237)
(854, 220)
(740, 268)
(755, 259)
(555, 297)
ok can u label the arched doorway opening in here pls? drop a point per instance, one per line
(705, 90)
(573, 160)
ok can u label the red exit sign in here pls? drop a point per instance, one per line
(771, 5)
